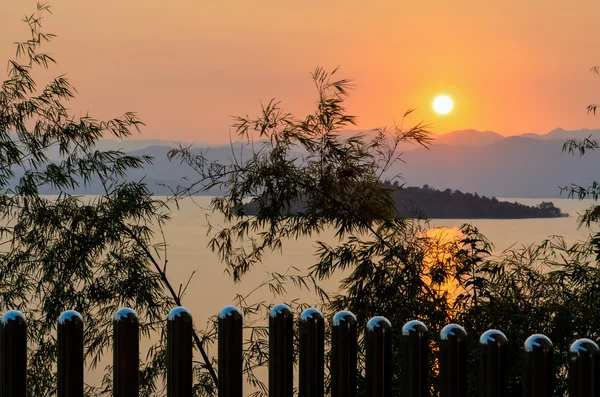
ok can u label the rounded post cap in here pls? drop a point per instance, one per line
(126, 313)
(414, 326)
(230, 311)
(311, 314)
(379, 323)
(453, 331)
(584, 346)
(13, 315)
(281, 310)
(70, 316)
(344, 317)
(179, 312)
(493, 337)
(538, 342)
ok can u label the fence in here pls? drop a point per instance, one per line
(584, 359)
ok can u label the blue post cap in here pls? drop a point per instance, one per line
(70, 316)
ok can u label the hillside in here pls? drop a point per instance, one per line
(526, 166)
(433, 203)
(425, 202)
(513, 167)
(470, 138)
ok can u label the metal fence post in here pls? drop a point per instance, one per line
(312, 354)
(70, 354)
(230, 352)
(126, 351)
(281, 351)
(343, 355)
(492, 364)
(584, 366)
(179, 353)
(538, 378)
(379, 357)
(453, 361)
(13, 354)
(415, 342)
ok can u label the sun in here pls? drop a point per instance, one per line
(442, 104)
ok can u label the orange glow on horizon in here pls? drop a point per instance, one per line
(185, 67)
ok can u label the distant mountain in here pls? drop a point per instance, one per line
(529, 165)
(470, 138)
(532, 135)
(125, 146)
(560, 133)
(133, 144)
(513, 167)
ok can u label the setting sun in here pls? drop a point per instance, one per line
(442, 104)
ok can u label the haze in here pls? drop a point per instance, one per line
(186, 66)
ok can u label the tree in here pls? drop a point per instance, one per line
(574, 191)
(303, 177)
(93, 255)
(90, 254)
(336, 181)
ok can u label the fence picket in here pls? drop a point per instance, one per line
(179, 353)
(538, 375)
(13, 354)
(70, 354)
(538, 378)
(312, 354)
(230, 352)
(584, 369)
(415, 341)
(126, 354)
(379, 357)
(343, 355)
(453, 361)
(281, 351)
(493, 364)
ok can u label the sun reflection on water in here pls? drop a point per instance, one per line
(439, 262)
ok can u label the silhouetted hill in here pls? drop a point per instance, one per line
(513, 167)
(417, 202)
(532, 135)
(469, 138)
(525, 166)
(472, 137)
(433, 203)
(560, 133)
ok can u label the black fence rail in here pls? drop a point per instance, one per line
(538, 376)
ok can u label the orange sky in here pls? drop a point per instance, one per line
(185, 66)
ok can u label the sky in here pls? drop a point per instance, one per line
(187, 66)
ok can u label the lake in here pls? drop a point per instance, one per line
(211, 288)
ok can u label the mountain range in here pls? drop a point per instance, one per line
(490, 164)
(527, 166)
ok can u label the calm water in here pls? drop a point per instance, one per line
(211, 288)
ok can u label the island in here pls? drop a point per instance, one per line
(427, 202)
(412, 202)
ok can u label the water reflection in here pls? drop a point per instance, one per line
(440, 262)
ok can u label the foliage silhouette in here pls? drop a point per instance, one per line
(93, 255)
(96, 255)
(391, 266)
